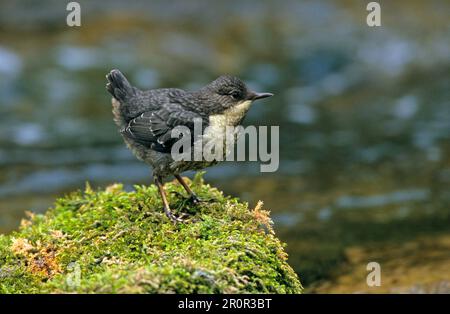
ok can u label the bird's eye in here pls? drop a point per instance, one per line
(235, 95)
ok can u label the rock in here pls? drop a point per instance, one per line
(114, 241)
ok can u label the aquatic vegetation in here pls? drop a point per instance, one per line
(114, 241)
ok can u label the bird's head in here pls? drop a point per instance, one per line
(230, 91)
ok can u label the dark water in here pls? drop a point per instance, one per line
(363, 113)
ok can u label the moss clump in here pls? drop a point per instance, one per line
(114, 241)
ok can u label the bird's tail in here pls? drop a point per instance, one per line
(118, 86)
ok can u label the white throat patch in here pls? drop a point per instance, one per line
(217, 129)
(231, 116)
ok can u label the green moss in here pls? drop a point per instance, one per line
(114, 241)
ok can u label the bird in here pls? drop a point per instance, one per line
(146, 119)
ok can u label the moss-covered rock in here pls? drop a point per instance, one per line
(114, 241)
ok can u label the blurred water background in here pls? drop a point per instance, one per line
(364, 117)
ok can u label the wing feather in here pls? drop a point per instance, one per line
(153, 128)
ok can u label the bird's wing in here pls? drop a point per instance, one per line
(153, 128)
(132, 101)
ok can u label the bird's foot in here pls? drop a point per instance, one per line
(194, 199)
(174, 218)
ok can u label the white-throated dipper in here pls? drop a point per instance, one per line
(146, 120)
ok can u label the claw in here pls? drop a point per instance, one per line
(174, 218)
(196, 200)
(167, 210)
(193, 198)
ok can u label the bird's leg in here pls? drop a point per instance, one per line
(192, 196)
(167, 210)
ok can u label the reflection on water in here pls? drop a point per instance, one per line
(364, 119)
(403, 196)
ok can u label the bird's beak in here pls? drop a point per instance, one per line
(255, 96)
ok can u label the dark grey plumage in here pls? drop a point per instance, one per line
(146, 119)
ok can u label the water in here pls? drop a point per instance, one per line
(363, 113)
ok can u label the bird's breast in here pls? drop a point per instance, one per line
(216, 132)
